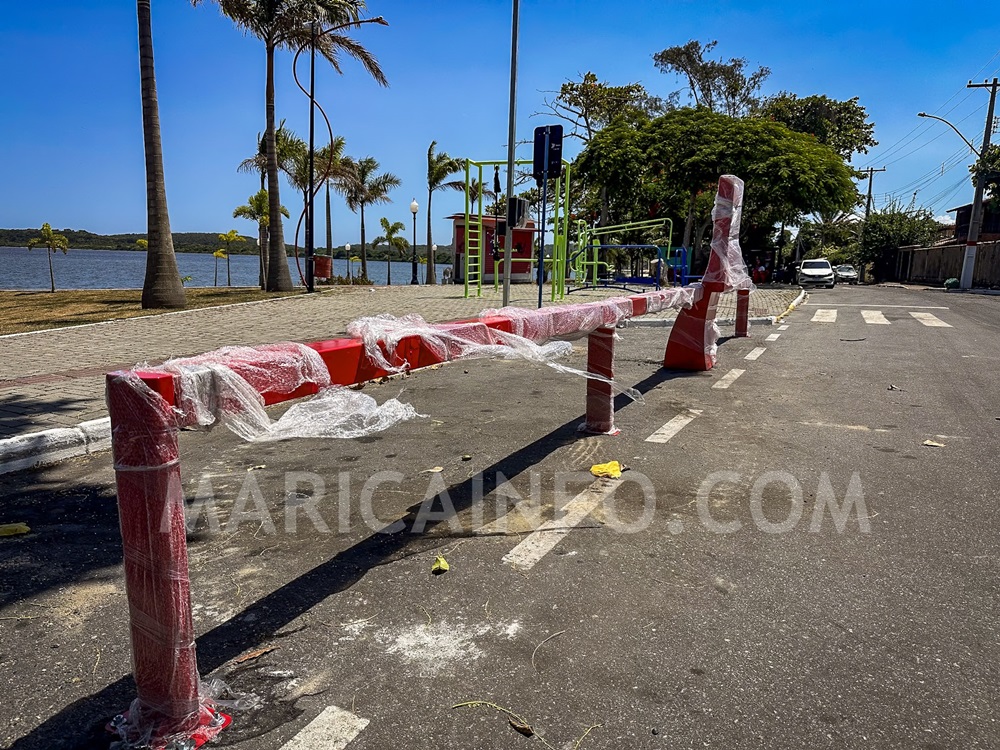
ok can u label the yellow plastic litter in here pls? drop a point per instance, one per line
(13, 529)
(611, 469)
(440, 566)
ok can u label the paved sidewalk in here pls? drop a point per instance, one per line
(55, 378)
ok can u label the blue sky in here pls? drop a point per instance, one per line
(70, 115)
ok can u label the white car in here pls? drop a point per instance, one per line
(817, 272)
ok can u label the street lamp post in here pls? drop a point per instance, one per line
(413, 209)
(434, 250)
(347, 250)
(311, 203)
(976, 218)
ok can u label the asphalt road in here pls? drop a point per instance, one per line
(789, 567)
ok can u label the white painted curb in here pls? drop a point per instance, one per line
(51, 446)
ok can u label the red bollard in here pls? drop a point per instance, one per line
(151, 514)
(742, 313)
(600, 396)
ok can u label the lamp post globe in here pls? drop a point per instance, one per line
(414, 207)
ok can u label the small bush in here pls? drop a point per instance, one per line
(952, 283)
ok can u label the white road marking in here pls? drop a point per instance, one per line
(773, 337)
(674, 426)
(728, 379)
(870, 305)
(930, 320)
(783, 328)
(825, 316)
(755, 353)
(854, 427)
(543, 539)
(333, 729)
(874, 318)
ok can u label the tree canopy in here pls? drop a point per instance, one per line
(724, 86)
(654, 169)
(841, 125)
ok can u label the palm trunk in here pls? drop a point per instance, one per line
(364, 251)
(388, 269)
(329, 224)
(52, 276)
(215, 281)
(278, 277)
(161, 287)
(431, 277)
(229, 271)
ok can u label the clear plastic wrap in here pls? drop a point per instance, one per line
(726, 265)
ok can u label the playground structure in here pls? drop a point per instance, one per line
(231, 386)
(475, 265)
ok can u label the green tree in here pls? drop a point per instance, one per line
(364, 186)
(142, 245)
(258, 209)
(229, 238)
(723, 86)
(332, 167)
(53, 243)
(988, 165)
(161, 286)
(390, 237)
(891, 228)
(440, 166)
(841, 125)
(285, 24)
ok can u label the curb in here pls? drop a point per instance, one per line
(794, 303)
(668, 322)
(54, 445)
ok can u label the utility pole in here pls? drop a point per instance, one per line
(976, 220)
(868, 205)
(511, 148)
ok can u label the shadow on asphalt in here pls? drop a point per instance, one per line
(17, 412)
(79, 726)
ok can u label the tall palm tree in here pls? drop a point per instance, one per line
(363, 186)
(439, 168)
(332, 167)
(284, 24)
(161, 287)
(390, 236)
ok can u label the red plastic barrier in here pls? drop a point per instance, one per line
(743, 313)
(600, 398)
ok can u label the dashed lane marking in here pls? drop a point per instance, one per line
(874, 318)
(825, 316)
(783, 328)
(674, 426)
(728, 379)
(333, 729)
(755, 354)
(773, 337)
(541, 541)
(930, 320)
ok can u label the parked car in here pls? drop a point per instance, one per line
(817, 272)
(846, 274)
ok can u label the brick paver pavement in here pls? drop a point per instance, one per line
(55, 378)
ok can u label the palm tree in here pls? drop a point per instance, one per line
(363, 186)
(229, 238)
(391, 238)
(284, 140)
(439, 168)
(258, 209)
(162, 285)
(52, 242)
(332, 167)
(283, 24)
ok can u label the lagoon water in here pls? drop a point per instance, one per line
(21, 268)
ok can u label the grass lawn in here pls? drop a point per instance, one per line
(21, 312)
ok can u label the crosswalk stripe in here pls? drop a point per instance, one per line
(333, 729)
(773, 337)
(728, 379)
(543, 539)
(930, 320)
(755, 354)
(874, 318)
(674, 426)
(825, 316)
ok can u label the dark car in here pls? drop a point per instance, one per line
(846, 274)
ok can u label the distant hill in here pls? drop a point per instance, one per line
(184, 242)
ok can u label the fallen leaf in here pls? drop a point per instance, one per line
(434, 470)
(521, 728)
(466, 457)
(934, 444)
(255, 468)
(13, 529)
(254, 654)
(440, 566)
